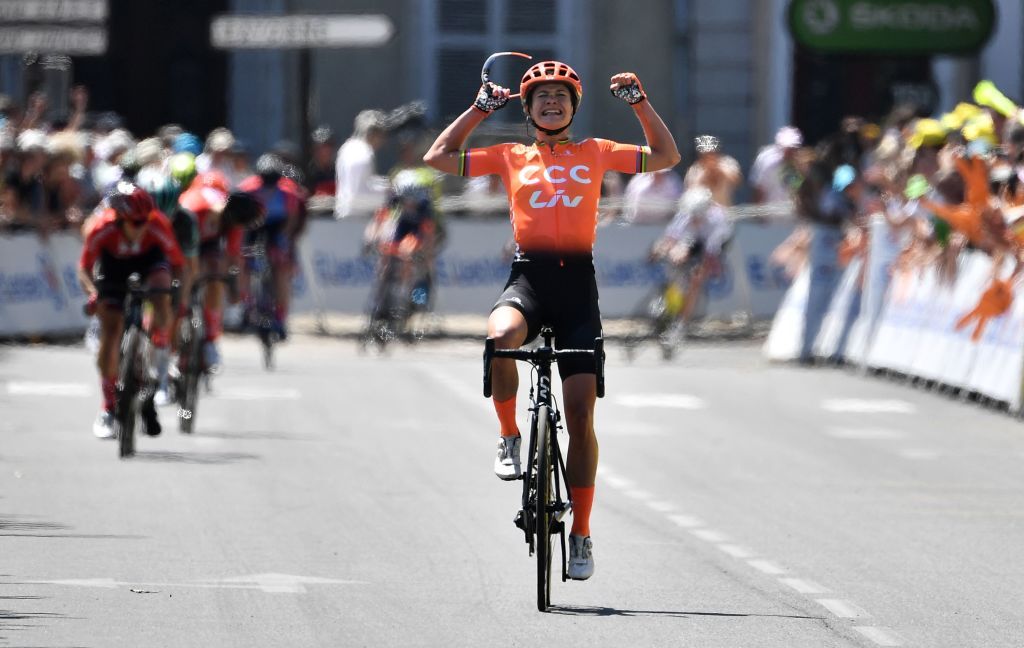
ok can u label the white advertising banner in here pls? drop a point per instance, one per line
(473, 267)
(39, 291)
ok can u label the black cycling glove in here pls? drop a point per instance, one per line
(631, 94)
(487, 101)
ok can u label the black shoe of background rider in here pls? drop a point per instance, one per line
(150, 420)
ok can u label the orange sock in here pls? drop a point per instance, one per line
(582, 502)
(507, 416)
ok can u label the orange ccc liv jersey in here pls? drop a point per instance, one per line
(553, 194)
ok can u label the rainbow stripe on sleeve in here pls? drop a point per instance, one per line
(641, 158)
(463, 163)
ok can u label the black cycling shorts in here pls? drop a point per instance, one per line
(560, 292)
(112, 274)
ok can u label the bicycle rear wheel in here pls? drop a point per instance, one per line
(192, 354)
(126, 404)
(544, 505)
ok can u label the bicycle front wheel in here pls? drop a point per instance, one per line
(544, 506)
(126, 405)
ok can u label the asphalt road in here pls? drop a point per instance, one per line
(348, 500)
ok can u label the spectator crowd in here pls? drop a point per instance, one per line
(944, 183)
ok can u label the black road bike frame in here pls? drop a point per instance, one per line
(133, 385)
(545, 498)
(192, 336)
(260, 312)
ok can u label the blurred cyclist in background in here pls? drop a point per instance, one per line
(693, 243)
(219, 247)
(320, 180)
(129, 236)
(284, 204)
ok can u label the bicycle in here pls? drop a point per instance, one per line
(261, 305)
(658, 315)
(191, 366)
(135, 385)
(546, 498)
(395, 298)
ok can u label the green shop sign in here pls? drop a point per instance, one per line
(892, 26)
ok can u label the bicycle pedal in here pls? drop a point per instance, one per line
(520, 521)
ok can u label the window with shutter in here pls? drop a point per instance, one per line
(468, 31)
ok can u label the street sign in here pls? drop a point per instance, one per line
(892, 26)
(53, 40)
(53, 11)
(295, 31)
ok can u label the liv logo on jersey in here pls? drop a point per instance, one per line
(537, 200)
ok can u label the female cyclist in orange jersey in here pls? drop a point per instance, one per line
(553, 187)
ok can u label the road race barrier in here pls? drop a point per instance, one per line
(39, 292)
(911, 329)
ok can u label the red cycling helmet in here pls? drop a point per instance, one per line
(551, 72)
(130, 202)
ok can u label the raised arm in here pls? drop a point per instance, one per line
(664, 154)
(444, 152)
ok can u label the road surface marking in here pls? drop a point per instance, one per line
(736, 551)
(710, 535)
(879, 635)
(865, 434)
(617, 482)
(256, 394)
(271, 583)
(27, 388)
(108, 583)
(920, 454)
(804, 586)
(677, 401)
(686, 521)
(767, 567)
(639, 494)
(843, 609)
(865, 406)
(283, 583)
(661, 507)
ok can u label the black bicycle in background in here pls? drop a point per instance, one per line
(136, 383)
(192, 369)
(546, 497)
(260, 303)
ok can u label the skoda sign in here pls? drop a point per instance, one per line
(892, 26)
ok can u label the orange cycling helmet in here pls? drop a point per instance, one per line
(551, 72)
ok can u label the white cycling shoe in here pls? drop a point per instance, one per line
(506, 463)
(581, 557)
(103, 427)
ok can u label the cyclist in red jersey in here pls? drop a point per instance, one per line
(219, 245)
(553, 186)
(130, 236)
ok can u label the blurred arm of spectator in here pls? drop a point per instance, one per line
(612, 190)
(79, 105)
(36, 108)
(719, 173)
(485, 196)
(650, 198)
